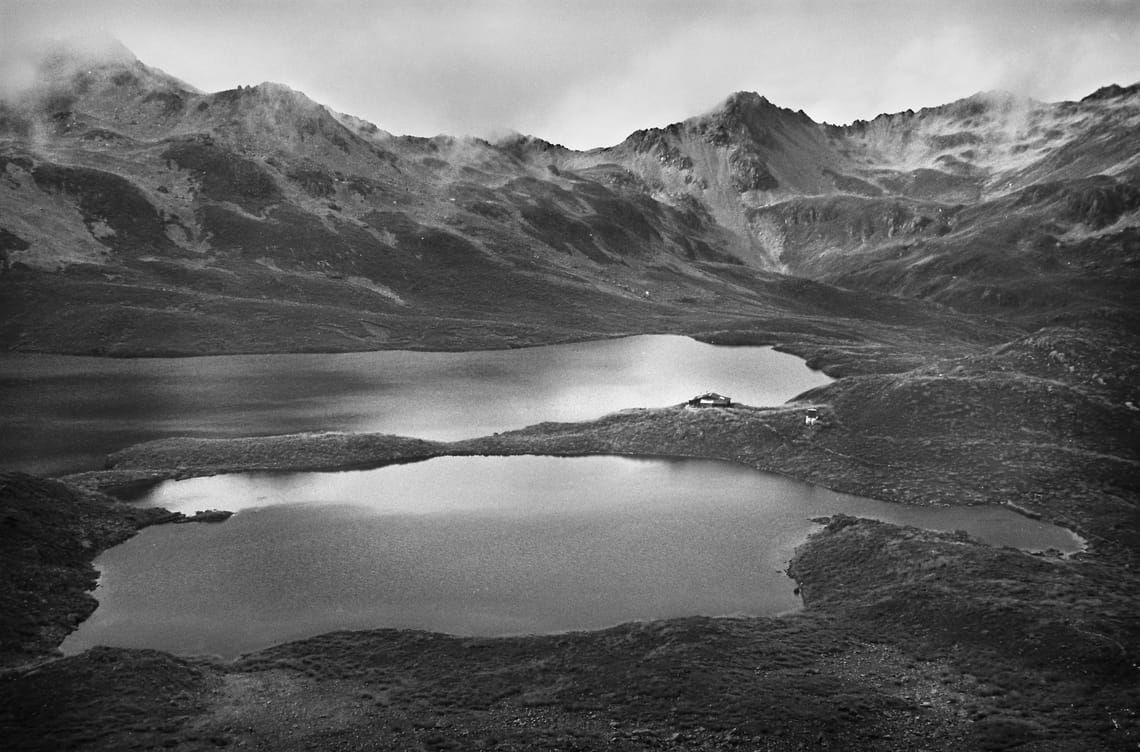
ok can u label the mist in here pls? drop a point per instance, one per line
(587, 74)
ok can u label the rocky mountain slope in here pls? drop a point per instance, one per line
(138, 214)
(989, 203)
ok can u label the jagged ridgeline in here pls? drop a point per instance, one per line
(138, 214)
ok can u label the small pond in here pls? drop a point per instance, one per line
(62, 414)
(478, 546)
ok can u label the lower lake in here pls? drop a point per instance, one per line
(478, 546)
(62, 414)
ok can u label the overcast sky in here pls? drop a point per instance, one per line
(588, 72)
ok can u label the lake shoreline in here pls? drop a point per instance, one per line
(768, 439)
(483, 546)
(61, 414)
(908, 638)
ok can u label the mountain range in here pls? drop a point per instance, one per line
(139, 215)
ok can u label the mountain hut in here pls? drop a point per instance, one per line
(711, 399)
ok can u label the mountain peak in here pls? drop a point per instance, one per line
(749, 108)
(57, 61)
(1113, 91)
(742, 105)
(996, 102)
(741, 99)
(522, 143)
(274, 89)
(65, 57)
(267, 97)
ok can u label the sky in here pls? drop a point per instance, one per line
(587, 73)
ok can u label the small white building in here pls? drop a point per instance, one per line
(710, 399)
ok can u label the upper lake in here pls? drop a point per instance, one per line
(63, 414)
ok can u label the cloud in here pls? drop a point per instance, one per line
(588, 72)
(22, 57)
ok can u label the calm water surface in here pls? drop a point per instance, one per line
(477, 546)
(61, 414)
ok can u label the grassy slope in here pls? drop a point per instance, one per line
(51, 532)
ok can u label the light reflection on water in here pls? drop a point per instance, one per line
(62, 414)
(478, 546)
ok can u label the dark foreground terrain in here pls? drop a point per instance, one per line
(908, 639)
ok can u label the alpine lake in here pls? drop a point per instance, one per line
(461, 545)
